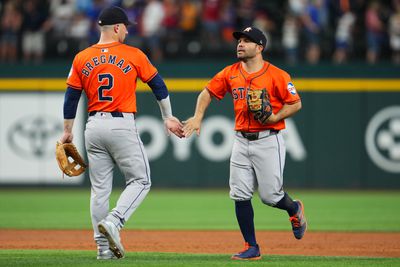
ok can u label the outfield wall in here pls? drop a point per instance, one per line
(346, 136)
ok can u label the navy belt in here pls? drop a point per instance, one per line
(256, 135)
(113, 113)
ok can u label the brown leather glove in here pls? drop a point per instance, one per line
(259, 104)
(66, 151)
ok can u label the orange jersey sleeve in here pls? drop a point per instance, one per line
(108, 74)
(285, 91)
(235, 80)
(74, 79)
(218, 86)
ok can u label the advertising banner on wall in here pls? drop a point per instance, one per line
(337, 140)
(30, 125)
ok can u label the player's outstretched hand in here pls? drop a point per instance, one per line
(190, 125)
(66, 138)
(173, 125)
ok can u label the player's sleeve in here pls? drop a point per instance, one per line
(74, 79)
(71, 100)
(218, 86)
(160, 91)
(158, 87)
(145, 70)
(286, 89)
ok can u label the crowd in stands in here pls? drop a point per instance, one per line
(298, 31)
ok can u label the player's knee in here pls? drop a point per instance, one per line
(146, 187)
(268, 201)
(240, 199)
(239, 196)
(145, 183)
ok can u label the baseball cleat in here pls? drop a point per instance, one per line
(248, 253)
(299, 222)
(112, 234)
(105, 255)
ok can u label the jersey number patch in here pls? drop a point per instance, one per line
(105, 87)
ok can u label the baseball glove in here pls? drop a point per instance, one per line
(259, 104)
(66, 151)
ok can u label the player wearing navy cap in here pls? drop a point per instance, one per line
(263, 96)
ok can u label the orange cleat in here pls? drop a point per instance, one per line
(299, 222)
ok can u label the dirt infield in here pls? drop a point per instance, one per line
(221, 242)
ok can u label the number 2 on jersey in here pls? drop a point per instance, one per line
(105, 87)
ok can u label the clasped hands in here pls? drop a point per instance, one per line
(182, 129)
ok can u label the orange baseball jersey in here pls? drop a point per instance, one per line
(235, 80)
(108, 74)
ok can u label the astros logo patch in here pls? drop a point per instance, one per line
(291, 88)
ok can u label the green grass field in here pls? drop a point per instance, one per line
(197, 209)
(85, 258)
(194, 209)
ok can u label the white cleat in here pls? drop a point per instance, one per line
(111, 232)
(105, 255)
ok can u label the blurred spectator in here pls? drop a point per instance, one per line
(59, 24)
(245, 13)
(171, 10)
(79, 31)
(189, 24)
(290, 38)
(153, 16)
(394, 33)
(312, 27)
(61, 13)
(33, 32)
(11, 22)
(228, 17)
(93, 12)
(211, 29)
(134, 10)
(84, 5)
(343, 36)
(171, 26)
(204, 27)
(297, 7)
(323, 13)
(375, 31)
(266, 25)
(189, 16)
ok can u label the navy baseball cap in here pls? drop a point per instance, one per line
(253, 34)
(113, 15)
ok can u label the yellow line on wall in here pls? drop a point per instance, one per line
(195, 85)
(347, 85)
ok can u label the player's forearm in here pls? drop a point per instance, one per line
(203, 101)
(160, 91)
(165, 108)
(287, 110)
(68, 124)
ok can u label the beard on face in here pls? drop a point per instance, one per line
(242, 58)
(245, 56)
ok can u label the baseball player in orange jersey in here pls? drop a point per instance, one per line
(107, 72)
(258, 154)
